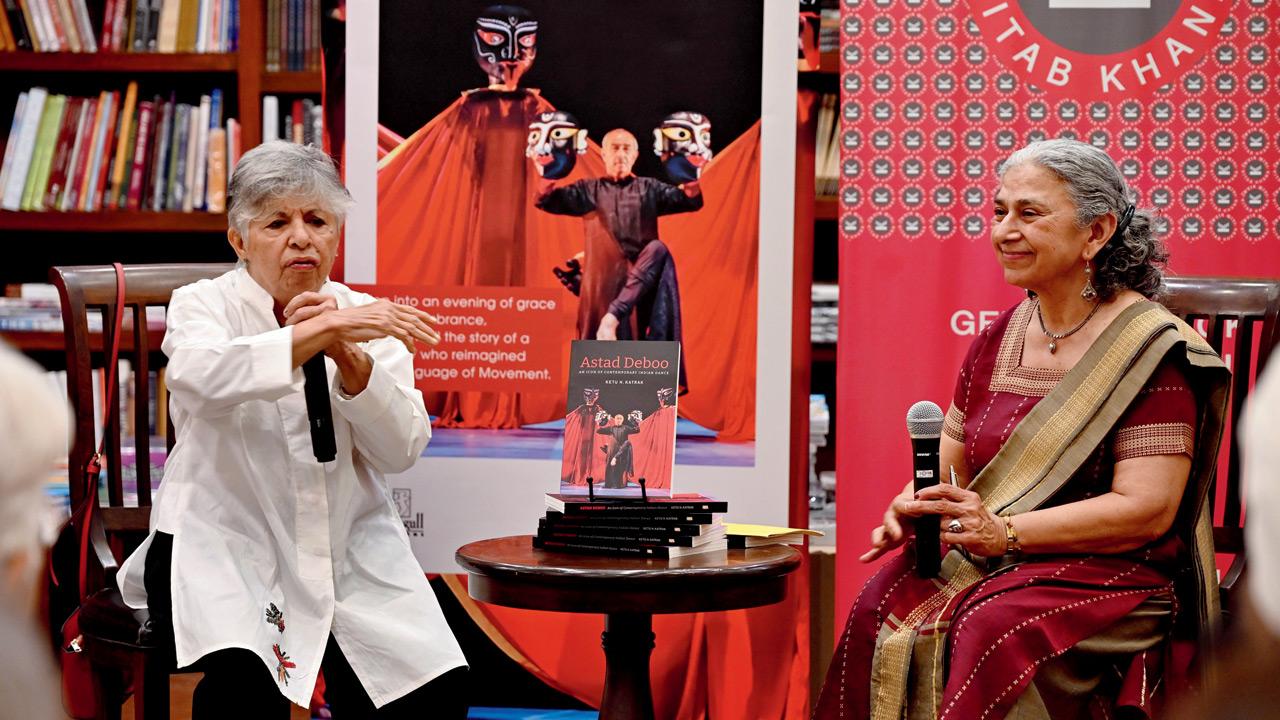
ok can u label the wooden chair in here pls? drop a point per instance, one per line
(113, 633)
(1241, 318)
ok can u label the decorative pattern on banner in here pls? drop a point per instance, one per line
(935, 93)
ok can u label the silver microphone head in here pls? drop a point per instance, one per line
(924, 420)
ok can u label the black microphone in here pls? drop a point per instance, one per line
(315, 387)
(924, 425)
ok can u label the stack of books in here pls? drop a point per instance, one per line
(660, 527)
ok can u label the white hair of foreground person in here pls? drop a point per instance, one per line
(33, 437)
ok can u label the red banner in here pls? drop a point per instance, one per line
(936, 94)
(491, 338)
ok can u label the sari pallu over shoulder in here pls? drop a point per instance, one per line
(1079, 595)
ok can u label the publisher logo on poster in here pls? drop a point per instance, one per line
(1056, 45)
(403, 498)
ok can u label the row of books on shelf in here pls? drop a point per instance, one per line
(165, 26)
(826, 160)
(36, 307)
(293, 35)
(117, 151)
(659, 527)
(303, 123)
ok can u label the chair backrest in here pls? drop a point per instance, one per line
(86, 290)
(1241, 320)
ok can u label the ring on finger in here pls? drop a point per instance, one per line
(954, 526)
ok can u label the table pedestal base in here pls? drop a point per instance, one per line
(628, 642)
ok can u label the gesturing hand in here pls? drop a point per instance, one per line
(982, 532)
(307, 305)
(384, 318)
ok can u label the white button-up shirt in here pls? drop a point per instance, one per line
(273, 550)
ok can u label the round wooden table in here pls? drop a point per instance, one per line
(509, 571)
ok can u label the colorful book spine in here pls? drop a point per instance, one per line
(17, 25)
(217, 188)
(120, 27)
(201, 160)
(167, 38)
(12, 142)
(79, 153)
(122, 157)
(146, 113)
(16, 182)
(153, 24)
(174, 189)
(122, 196)
(29, 22)
(138, 32)
(108, 25)
(66, 18)
(42, 161)
(62, 154)
(270, 118)
(90, 195)
(296, 122)
(6, 34)
(160, 170)
(103, 172)
(85, 26)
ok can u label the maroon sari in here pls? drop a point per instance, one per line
(987, 635)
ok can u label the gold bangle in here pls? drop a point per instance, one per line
(1011, 544)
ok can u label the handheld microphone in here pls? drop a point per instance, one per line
(924, 425)
(315, 387)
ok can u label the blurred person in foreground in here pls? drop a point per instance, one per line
(33, 436)
(268, 565)
(1084, 430)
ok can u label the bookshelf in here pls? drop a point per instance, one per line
(67, 238)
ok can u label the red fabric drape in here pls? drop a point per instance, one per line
(438, 225)
(654, 449)
(750, 663)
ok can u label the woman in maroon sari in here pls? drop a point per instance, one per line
(1084, 430)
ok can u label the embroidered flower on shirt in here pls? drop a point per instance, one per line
(284, 665)
(275, 617)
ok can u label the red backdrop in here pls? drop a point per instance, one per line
(935, 94)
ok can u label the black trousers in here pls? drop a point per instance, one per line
(237, 684)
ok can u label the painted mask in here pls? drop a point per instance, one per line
(683, 142)
(590, 396)
(554, 143)
(666, 397)
(505, 43)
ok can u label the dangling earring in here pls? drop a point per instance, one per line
(1088, 293)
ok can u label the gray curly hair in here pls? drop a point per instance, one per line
(1136, 259)
(280, 170)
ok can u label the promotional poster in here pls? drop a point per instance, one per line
(543, 184)
(935, 94)
(620, 432)
(492, 191)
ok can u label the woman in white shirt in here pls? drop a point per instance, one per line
(269, 565)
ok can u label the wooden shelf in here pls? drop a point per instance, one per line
(114, 221)
(291, 82)
(825, 207)
(118, 62)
